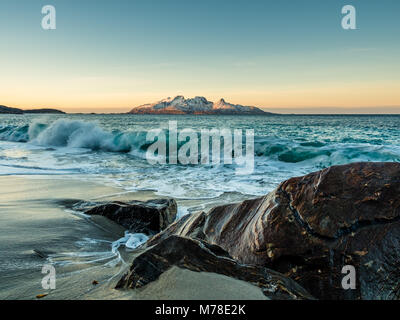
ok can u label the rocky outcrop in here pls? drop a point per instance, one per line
(148, 217)
(312, 226)
(199, 256)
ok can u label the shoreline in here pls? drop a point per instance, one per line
(34, 216)
(33, 219)
(324, 221)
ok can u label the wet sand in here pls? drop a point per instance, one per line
(33, 216)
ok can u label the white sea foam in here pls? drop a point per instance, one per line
(111, 150)
(182, 211)
(130, 241)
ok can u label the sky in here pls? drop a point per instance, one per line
(283, 56)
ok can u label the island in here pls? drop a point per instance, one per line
(8, 110)
(197, 105)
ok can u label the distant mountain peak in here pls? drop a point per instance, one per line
(196, 105)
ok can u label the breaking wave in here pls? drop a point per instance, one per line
(74, 134)
(89, 135)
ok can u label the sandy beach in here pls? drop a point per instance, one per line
(35, 216)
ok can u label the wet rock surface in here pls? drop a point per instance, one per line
(312, 226)
(199, 256)
(148, 217)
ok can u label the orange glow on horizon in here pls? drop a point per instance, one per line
(373, 98)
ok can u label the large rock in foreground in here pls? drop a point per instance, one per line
(197, 255)
(311, 227)
(148, 217)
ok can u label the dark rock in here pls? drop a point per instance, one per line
(199, 256)
(148, 217)
(312, 226)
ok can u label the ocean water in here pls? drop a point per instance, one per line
(111, 149)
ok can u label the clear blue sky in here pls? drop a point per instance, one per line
(112, 55)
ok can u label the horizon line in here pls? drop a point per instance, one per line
(286, 110)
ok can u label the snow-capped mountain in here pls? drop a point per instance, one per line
(197, 105)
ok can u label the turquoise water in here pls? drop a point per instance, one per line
(110, 149)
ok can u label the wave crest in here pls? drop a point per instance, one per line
(82, 134)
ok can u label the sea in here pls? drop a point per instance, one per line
(111, 149)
